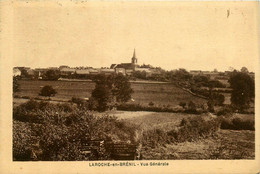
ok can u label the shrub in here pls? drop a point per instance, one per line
(192, 108)
(62, 131)
(226, 110)
(32, 110)
(22, 141)
(78, 101)
(155, 137)
(92, 104)
(193, 128)
(48, 91)
(151, 104)
(190, 129)
(138, 107)
(237, 124)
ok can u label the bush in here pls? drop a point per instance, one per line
(32, 110)
(225, 111)
(155, 137)
(151, 104)
(60, 132)
(48, 91)
(22, 141)
(192, 129)
(78, 101)
(237, 124)
(138, 107)
(192, 109)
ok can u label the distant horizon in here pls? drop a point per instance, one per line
(137, 64)
(170, 35)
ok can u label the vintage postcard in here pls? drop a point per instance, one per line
(129, 87)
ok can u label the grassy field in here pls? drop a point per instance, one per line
(159, 94)
(151, 120)
(227, 144)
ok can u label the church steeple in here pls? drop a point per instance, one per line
(134, 59)
(134, 53)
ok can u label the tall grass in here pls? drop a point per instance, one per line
(190, 129)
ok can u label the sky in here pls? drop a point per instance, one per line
(171, 35)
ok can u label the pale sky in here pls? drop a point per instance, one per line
(191, 35)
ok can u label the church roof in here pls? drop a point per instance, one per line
(125, 65)
(113, 66)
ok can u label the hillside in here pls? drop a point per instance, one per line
(160, 94)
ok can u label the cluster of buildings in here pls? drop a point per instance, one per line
(65, 71)
(215, 75)
(124, 68)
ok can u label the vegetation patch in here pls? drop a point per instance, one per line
(190, 129)
(52, 132)
(237, 123)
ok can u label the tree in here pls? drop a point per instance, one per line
(243, 90)
(244, 70)
(48, 91)
(121, 88)
(16, 85)
(103, 96)
(52, 75)
(215, 84)
(111, 89)
(182, 74)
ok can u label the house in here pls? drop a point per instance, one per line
(40, 71)
(107, 71)
(31, 72)
(195, 72)
(129, 71)
(94, 71)
(120, 70)
(16, 72)
(82, 71)
(65, 71)
(63, 66)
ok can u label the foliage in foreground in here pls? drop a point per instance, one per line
(237, 124)
(57, 133)
(190, 129)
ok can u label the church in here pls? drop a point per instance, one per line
(126, 68)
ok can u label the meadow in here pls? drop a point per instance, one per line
(161, 94)
(225, 144)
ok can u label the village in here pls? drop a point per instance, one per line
(132, 69)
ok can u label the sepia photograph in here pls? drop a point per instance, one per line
(133, 84)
